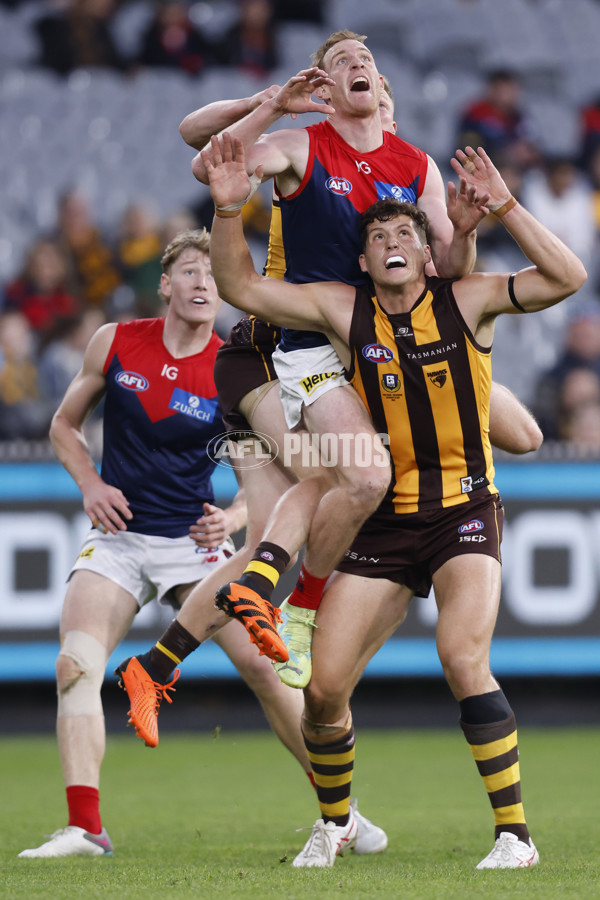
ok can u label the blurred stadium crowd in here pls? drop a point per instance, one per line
(96, 179)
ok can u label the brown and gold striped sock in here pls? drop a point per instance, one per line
(170, 649)
(265, 567)
(493, 743)
(332, 761)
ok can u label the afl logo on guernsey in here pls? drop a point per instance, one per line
(377, 353)
(132, 381)
(340, 186)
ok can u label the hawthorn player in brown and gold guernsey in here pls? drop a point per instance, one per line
(426, 383)
(419, 354)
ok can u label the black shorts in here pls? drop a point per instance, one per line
(243, 364)
(408, 549)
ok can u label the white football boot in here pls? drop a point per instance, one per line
(72, 841)
(371, 838)
(327, 840)
(510, 853)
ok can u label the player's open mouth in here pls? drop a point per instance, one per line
(360, 84)
(199, 301)
(395, 262)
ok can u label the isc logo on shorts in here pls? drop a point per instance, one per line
(339, 186)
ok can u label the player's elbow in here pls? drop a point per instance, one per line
(199, 170)
(531, 438)
(183, 129)
(575, 275)
(55, 426)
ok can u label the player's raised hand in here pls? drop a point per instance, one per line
(296, 94)
(478, 171)
(264, 95)
(466, 207)
(225, 164)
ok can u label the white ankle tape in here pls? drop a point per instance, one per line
(82, 697)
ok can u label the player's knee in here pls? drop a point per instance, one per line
(80, 671)
(67, 673)
(260, 676)
(323, 704)
(465, 669)
(367, 486)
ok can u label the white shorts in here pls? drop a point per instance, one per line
(304, 375)
(149, 566)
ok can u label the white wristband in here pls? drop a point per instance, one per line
(254, 183)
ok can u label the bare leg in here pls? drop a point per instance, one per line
(282, 705)
(102, 609)
(467, 590)
(359, 489)
(356, 617)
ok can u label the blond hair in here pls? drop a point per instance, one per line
(333, 39)
(199, 240)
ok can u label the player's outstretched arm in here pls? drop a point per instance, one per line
(512, 426)
(453, 223)
(556, 272)
(291, 305)
(272, 153)
(198, 127)
(104, 504)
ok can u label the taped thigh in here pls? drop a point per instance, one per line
(82, 698)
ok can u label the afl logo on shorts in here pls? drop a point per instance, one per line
(377, 353)
(340, 186)
(470, 527)
(132, 381)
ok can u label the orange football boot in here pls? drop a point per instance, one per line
(145, 696)
(258, 616)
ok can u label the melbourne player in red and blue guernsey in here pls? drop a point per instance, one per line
(153, 494)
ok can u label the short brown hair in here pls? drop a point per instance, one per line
(333, 39)
(388, 208)
(198, 239)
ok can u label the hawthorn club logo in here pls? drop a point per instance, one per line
(438, 378)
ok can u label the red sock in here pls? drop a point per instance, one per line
(311, 778)
(308, 591)
(84, 807)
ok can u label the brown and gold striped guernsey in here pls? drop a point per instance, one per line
(426, 382)
(262, 335)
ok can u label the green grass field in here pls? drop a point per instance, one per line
(217, 817)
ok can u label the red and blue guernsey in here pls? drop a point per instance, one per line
(321, 219)
(160, 413)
